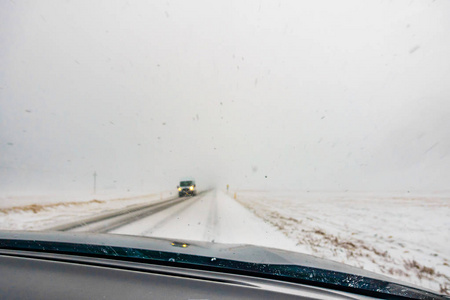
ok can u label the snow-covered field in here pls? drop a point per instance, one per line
(38, 212)
(401, 236)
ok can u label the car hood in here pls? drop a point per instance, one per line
(246, 259)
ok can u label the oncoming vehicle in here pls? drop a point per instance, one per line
(187, 187)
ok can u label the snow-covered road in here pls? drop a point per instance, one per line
(213, 217)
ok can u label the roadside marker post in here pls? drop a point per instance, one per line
(95, 182)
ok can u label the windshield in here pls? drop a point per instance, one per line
(318, 127)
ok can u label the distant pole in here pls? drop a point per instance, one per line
(95, 181)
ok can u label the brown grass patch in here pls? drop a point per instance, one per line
(422, 270)
(35, 208)
(318, 231)
(427, 272)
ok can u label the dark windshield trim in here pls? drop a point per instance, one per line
(289, 273)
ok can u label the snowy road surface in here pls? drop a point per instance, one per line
(212, 217)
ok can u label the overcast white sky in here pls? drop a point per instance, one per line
(328, 95)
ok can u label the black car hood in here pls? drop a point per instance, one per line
(243, 259)
(236, 252)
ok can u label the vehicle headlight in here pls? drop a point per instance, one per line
(179, 189)
(191, 187)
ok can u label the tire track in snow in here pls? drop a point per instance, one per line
(182, 206)
(211, 226)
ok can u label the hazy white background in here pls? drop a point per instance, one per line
(328, 95)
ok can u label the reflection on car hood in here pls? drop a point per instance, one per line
(243, 259)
